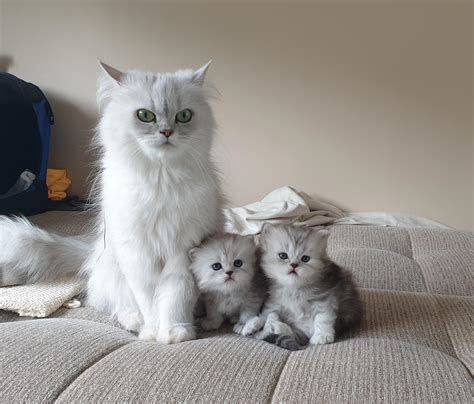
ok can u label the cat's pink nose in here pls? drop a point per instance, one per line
(166, 132)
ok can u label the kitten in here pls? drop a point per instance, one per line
(227, 275)
(310, 297)
(159, 196)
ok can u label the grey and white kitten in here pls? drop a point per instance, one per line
(230, 283)
(310, 297)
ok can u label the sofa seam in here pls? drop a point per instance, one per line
(423, 275)
(415, 292)
(278, 378)
(370, 248)
(442, 312)
(93, 363)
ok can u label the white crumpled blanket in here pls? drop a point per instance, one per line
(286, 205)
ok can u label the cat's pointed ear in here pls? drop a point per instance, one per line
(113, 73)
(192, 253)
(200, 74)
(323, 236)
(266, 229)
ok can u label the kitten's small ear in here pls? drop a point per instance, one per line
(192, 253)
(114, 74)
(200, 74)
(323, 235)
(266, 229)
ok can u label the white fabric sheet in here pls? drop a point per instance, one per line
(286, 205)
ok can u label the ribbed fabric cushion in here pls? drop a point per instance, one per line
(67, 223)
(373, 371)
(40, 358)
(40, 299)
(226, 368)
(379, 269)
(415, 343)
(458, 315)
(416, 260)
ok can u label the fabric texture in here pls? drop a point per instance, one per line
(39, 299)
(281, 206)
(415, 342)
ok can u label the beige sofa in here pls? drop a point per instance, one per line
(415, 343)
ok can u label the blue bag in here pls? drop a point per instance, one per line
(25, 131)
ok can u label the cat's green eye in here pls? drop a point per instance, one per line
(184, 116)
(146, 115)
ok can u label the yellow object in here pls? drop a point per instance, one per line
(57, 182)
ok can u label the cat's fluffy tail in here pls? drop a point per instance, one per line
(29, 254)
(284, 341)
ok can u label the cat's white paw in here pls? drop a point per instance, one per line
(322, 338)
(252, 326)
(238, 328)
(208, 324)
(148, 333)
(175, 334)
(280, 328)
(130, 320)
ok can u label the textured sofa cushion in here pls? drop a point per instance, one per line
(415, 342)
(409, 259)
(39, 358)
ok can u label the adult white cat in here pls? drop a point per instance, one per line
(159, 197)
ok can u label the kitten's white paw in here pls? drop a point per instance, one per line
(148, 333)
(252, 326)
(175, 334)
(322, 338)
(208, 324)
(238, 328)
(280, 328)
(130, 320)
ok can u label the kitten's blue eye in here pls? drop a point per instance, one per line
(283, 256)
(146, 115)
(216, 267)
(184, 116)
(238, 263)
(305, 258)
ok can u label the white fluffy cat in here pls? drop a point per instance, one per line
(230, 282)
(159, 196)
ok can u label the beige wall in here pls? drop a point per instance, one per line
(368, 105)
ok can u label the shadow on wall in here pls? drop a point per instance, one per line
(70, 142)
(5, 63)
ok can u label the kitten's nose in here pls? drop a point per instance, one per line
(229, 273)
(166, 132)
(294, 265)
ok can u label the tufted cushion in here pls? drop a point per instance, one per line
(414, 344)
(414, 260)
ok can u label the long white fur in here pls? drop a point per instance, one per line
(19, 261)
(157, 201)
(292, 298)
